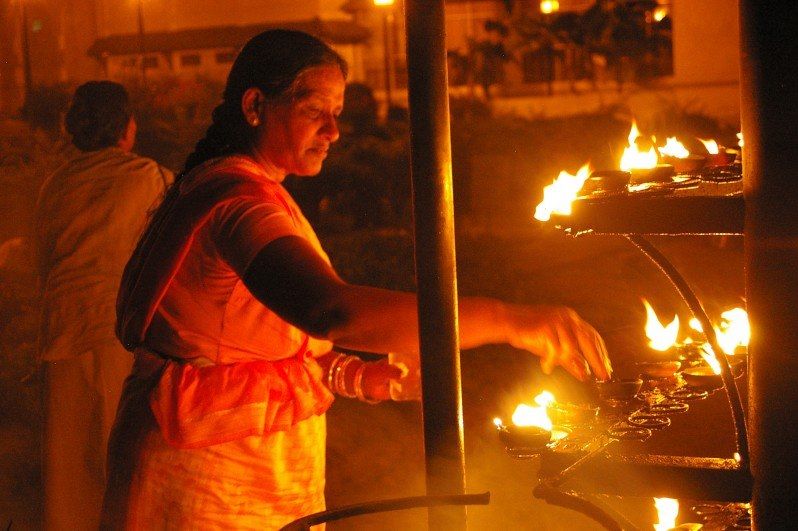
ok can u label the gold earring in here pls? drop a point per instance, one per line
(254, 122)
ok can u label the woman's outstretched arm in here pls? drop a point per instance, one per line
(291, 278)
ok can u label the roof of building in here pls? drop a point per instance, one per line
(333, 31)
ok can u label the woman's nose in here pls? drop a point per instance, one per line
(330, 128)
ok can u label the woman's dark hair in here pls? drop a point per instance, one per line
(98, 115)
(271, 61)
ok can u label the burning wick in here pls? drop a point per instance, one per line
(667, 511)
(711, 145)
(632, 157)
(674, 148)
(660, 337)
(558, 196)
(531, 425)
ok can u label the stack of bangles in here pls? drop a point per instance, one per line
(338, 376)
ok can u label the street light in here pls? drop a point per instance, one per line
(386, 12)
(547, 7)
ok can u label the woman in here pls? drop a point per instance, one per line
(232, 308)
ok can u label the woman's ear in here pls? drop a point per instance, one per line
(252, 103)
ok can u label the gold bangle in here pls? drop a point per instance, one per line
(340, 377)
(331, 371)
(359, 386)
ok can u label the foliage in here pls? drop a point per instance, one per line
(172, 115)
(46, 106)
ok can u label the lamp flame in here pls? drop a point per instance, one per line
(526, 415)
(660, 337)
(632, 157)
(667, 511)
(711, 145)
(709, 356)
(734, 330)
(558, 196)
(674, 148)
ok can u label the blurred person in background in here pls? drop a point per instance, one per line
(89, 215)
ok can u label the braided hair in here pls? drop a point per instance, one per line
(271, 61)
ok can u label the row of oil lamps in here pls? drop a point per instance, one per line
(642, 162)
(536, 428)
(733, 334)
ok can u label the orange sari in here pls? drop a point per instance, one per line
(221, 424)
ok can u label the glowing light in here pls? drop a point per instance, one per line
(383, 2)
(709, 356)
(660, 13)
(549, 6)
(674, 148)
(667, 511)
(660, 337)
(558, 196)
(734, 331)
(632, 157)
(740, 139)
(526, 415)
(711, 145)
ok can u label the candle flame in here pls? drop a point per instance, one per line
(660, 337)
(674, 148)
(632, 157)
(558, 196)
(667, 511)
(526, 415)
(711, 145)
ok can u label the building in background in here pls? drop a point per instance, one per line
(70, 41)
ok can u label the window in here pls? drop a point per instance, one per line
(129, 62)
(151, 61)
(190, 59)
(225, 57)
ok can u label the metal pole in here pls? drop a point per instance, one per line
(142, 50)
(26, 65)
(386, 41)
(431, 166)
(769, 89)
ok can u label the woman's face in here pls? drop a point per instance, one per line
(294, 136)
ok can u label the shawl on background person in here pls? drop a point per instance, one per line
(195, 404)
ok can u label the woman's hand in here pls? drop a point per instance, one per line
(377, 377)
(560, 337)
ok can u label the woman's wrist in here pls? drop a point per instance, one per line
(502, 314)
(344, 376)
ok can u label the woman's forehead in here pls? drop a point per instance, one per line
(325, 82)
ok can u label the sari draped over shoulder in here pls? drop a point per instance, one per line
(198, 402)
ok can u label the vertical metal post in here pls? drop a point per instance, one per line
(431, 165)
(142, 50)
(386, 46)
(769, 88)
(26, 66)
